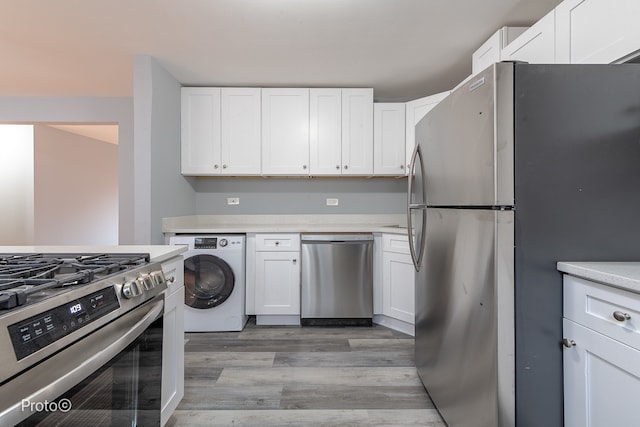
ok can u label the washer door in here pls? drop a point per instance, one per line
(208, 281)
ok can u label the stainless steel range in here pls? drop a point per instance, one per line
(71, 324)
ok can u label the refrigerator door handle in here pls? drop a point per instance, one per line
(415, 159)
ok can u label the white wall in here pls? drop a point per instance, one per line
(87, 110)
(76, 189)
(160, 190)
(16, 185)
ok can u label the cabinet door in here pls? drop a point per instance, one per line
(536, 45)
(388, 139)
(325, 131)
(357, 131)
(277, 283)
(240, 139)
(601, 380)
(596, 31)
(200, 129)
(172, 353)
(415, 111)
(490, 51)
(398, 286)
(285, 131)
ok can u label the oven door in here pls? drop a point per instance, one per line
(112, 377)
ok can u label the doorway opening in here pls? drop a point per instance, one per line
(59, 184)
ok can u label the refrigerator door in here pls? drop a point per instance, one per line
(464, 316)
(467, 143)
(416, 209)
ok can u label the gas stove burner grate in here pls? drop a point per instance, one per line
(23, 275)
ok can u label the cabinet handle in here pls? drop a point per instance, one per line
(304, 166)
(401, 166)
(224, 166)
(277, 243)
(620, 316)
(295, 260)
(337, 166)
(346, 166)
(568, 343)
(170, 279)
(215, 166)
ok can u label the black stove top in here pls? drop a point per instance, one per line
(29, 278)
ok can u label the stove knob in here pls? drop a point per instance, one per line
(223, 243)
(158, 278)
(146, 282)
(131, 290)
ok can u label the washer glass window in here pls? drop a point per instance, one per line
(208, 281)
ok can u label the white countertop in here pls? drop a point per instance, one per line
(221, 224)
(157, 253)
(623, 275)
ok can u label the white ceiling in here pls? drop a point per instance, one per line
(404, 49)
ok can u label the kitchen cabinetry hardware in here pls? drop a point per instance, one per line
(224, 166)
(170, 279)
(294, 261)
(215, 166)
(401, 166)
(346, 167)
(567, 343)
(304, 166)
(337, 166)
(620, 316)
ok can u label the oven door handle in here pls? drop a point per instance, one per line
(44, 382)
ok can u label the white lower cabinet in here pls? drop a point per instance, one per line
(173, 339)
(601, 355)
(394, 300)
(277, 278)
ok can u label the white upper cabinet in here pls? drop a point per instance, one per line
(220, 131)
(285, 131)
(325, 131)
(415, 111)
(536, 45)
(341, 131)
(596, 31)
(240, 149)
(388, 138)
(490, 50)
(200, 129)
(357, 131)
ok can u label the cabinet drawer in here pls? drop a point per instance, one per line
(607, 310)
(277, 242)
(398, 243)
(174, 268)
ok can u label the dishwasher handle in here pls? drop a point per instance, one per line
(336, 238)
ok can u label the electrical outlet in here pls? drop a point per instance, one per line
(233, 200)
(332, 202)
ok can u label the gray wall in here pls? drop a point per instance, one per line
(87, 110)
(160, 189)
(301, 195)
(75, 189)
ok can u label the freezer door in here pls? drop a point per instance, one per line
(464, 316)
(467, 143)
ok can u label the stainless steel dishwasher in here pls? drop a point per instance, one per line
(337, 279)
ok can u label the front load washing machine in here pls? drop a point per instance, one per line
(214, 282)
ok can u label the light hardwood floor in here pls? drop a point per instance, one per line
(311, 376)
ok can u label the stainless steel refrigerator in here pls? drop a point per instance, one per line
(521, 167)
